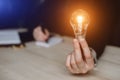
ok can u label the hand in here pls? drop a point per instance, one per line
(80, 61)
(39, 35)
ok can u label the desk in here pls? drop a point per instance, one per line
(38, 63)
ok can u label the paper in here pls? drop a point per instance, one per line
(8, 37)
(52, 41)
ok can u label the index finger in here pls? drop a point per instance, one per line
(87, 53)
(85, 48)
(77, 50)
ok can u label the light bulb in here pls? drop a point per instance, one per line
(79, 22)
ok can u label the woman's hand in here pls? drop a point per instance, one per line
(80, 61)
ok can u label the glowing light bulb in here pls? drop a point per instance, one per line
(79, 22)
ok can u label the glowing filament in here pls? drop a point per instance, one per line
(79, 19)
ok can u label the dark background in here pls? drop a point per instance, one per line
(55, 15)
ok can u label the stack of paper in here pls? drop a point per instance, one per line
(8, 37)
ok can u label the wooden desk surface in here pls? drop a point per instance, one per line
(38, 63)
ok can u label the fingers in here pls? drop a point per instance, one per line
(77, 50)
(76, 62)
(68, 64)
(73, 64)
(85, 48)
(78, 56)
(87, 53)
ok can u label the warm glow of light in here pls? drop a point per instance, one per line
(79, 19)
